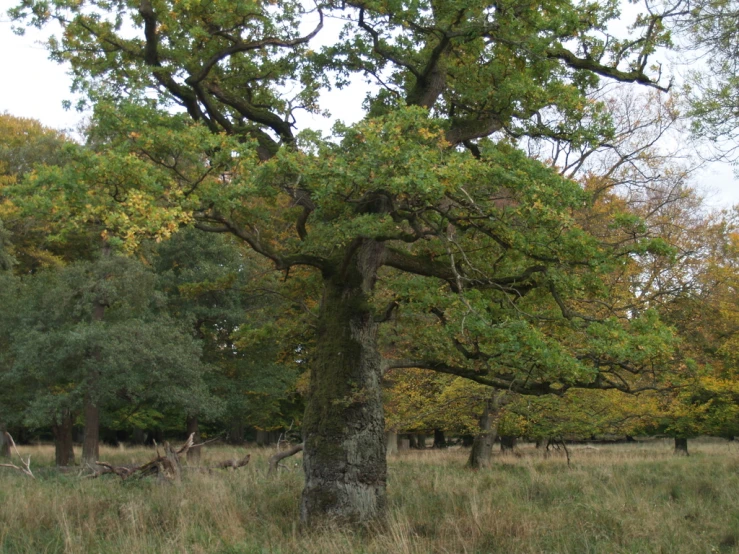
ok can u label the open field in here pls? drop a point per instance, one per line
(634, 498)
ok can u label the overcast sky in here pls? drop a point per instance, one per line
(36, 87)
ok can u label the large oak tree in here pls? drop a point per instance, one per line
(425, 203)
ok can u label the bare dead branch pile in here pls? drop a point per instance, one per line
(233, 464)
(166, 466)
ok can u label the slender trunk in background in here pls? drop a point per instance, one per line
(63, 443)
(344, 429)
(138, 436)
(262, 438)
(439, 439)
(236, 432)
(193, 455)
(4, 442)
(91, 444)
(391, 442)
(507, 443)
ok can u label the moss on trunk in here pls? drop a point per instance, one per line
(344, 429)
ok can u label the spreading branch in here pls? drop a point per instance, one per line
(275, 459)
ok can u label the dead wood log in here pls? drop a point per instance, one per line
(25, 464)
(274, 460)
(233, 464)
(166, 466)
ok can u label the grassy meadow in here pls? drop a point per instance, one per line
(634, 498)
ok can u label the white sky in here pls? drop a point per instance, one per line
(35, 87)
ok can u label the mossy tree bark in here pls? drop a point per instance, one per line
(63, 443)
(344, 428)
(681, 446)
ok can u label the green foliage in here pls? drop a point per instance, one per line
(58, 352)
(6, 258)
(713, 93)
(215, 286)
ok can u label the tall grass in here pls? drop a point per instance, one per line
(613, 499)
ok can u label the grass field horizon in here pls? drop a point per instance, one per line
(613, 498)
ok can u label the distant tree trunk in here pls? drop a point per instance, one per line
(236, 432)
(541, 443)
(468, 440)
(63, 443)
(4, 442)
(421, 442)
(193, 454)
(262, 438)
(138, 436)
(391, 442)
(507, 443)
(681, 446)
(439, 439)
(412, 442)
(481, 455)
(155, 435)
(91, 443)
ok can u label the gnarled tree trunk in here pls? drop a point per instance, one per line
(63, 443)
(344, 428)
(481, 455)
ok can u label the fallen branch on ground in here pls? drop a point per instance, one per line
(165, 465)
(275, 459)
(26, 469)
(233, 464)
